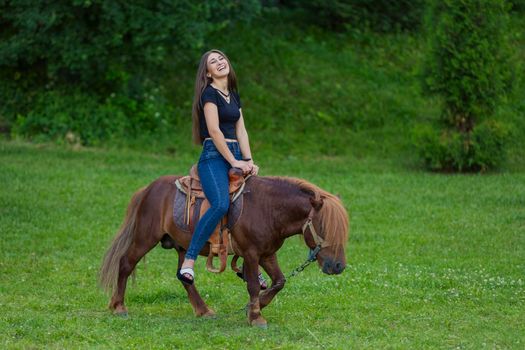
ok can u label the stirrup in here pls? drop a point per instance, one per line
(184, 279)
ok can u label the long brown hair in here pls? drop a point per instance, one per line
(201, 81)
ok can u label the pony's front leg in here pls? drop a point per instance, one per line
(251, 270)
(271, 267)
(199, 306)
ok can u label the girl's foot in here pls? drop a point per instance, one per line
(262, 281)
(186, 275)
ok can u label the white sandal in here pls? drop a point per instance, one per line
(186, 271)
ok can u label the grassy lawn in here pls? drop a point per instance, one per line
(435, 261)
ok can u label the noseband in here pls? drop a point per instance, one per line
(319, 241)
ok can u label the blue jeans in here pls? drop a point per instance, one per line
(213, 173)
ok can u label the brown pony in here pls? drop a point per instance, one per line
(275, 208)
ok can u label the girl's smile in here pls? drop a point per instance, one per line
(217, 65)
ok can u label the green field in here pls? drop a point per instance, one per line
(434, 261)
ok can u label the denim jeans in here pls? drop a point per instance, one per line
(213, 173)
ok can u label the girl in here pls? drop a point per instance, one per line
(219, 126)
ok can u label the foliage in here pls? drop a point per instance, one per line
(79, 118)
(450, 150)
(307, 91)
(295, 85)
(111, 53)
(102, 43)
(433, 261)
(468, 66)
(468, 59)
(380, 15)
(517, 5)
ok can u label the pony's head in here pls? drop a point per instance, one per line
(328, 229)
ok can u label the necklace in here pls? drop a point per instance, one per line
(223, 94)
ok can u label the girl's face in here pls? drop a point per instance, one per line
(217, 66)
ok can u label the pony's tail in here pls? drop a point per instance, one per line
(109, 270)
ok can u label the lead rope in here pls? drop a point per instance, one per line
(320, 243)
(311, 258)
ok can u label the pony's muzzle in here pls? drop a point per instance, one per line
(331, 267)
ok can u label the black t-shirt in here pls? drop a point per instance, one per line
(229, 113)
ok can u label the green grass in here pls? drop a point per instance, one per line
(434, 261)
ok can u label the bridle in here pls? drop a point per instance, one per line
(319, 241)
(319, 244)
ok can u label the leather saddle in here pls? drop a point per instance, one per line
(196, 205)
(192, 184)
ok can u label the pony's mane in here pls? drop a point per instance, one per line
(334, 217)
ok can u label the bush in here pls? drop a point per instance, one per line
(101, 43)
(379, 15)
(450, 150)
(468, 67)
(114, 54)
(78, 118)
(517, 5)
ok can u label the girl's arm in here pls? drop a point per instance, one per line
(242, 137)
(211, 115)
(244, 143)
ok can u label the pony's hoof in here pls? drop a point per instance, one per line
(120, 311)
(207, 314)
(210, 314)
(121, 314)
(259, 322)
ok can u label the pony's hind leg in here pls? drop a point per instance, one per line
(126, 266)
(199, 306)
(141, 230)
(271, 267)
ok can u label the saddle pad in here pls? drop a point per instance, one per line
(179, 206)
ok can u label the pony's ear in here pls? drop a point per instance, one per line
(316, 203)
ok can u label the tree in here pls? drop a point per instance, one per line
(467, 65)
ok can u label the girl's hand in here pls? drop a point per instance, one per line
(255, 168)
(246, 167)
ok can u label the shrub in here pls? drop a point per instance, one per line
(76, 117)
(379, 15)
(103, 43)
(101, 48)
(517, 5)
(468, 67)
(450, 150)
